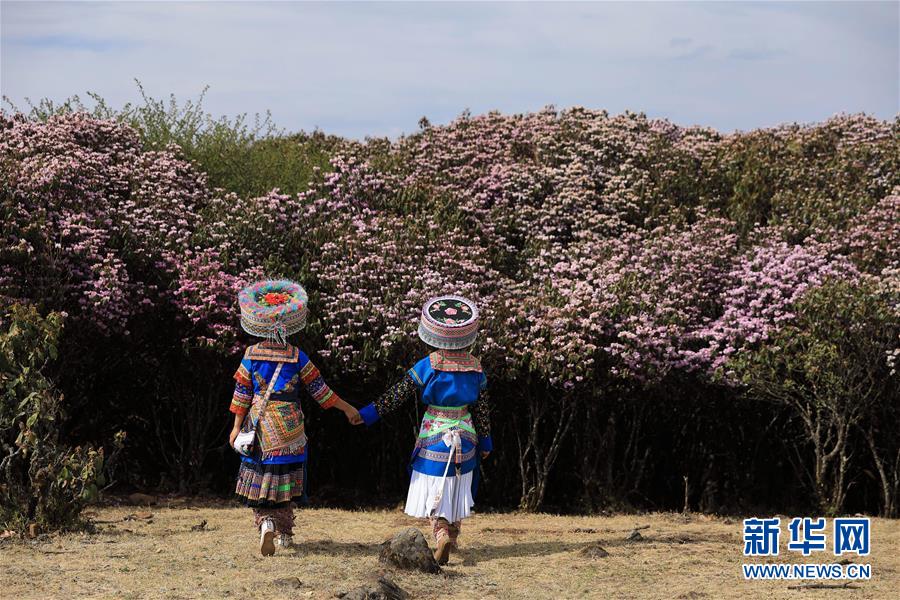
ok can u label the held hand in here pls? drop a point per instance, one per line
(353, 415)
(350, 412)
(485, 454)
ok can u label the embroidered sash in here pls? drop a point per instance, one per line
(439, 420)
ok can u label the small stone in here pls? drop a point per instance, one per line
(634, 536)
(288, 583)
(201, 526)
(692, 595)
(383, 589)
(594, 551)
(408, 550)
(141, 499)
(143, 515)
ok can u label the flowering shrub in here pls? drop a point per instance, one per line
(828, 364)
(205, 294)
(605, 252)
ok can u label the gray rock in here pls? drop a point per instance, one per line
(201, 526)
(408, 550)
(594, 551)
(383, 589)
(141, 499)
(288, 583)
(635, 536)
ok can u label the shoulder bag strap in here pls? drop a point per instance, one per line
(268, 393)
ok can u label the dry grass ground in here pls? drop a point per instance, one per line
(503, 556)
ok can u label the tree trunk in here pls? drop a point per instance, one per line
(887, 498)
(828, 434)
(537, 455)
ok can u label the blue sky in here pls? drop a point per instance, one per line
(361, 69)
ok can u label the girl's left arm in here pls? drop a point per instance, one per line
(481, 419)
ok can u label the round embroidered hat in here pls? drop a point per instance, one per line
(273, 308)
(449, 322)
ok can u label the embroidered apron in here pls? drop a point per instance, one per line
(281, 431)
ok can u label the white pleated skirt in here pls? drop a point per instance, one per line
(456, 503)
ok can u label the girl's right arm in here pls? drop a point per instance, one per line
(236, 429)
(242, 397)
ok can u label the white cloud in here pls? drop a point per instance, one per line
(374, 68)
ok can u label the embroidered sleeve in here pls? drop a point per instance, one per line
(481, 417)
(315, 385)
(481, 414)
(243, 388)
(397, 395)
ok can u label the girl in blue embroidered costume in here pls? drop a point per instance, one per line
(272, 476)
(455, 430)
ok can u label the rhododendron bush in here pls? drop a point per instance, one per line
(630, 274)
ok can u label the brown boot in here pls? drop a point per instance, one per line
(441, 530)
(454, 530)
(442, 554)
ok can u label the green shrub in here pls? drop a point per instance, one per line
(44, 481)
(246, 155)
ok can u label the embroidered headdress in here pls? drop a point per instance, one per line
(449, 322)
(273, 309)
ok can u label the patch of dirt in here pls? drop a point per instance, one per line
(501, 556)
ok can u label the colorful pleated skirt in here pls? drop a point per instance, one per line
(271, 486)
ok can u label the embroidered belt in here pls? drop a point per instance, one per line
(449, 411)
(445, 456)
